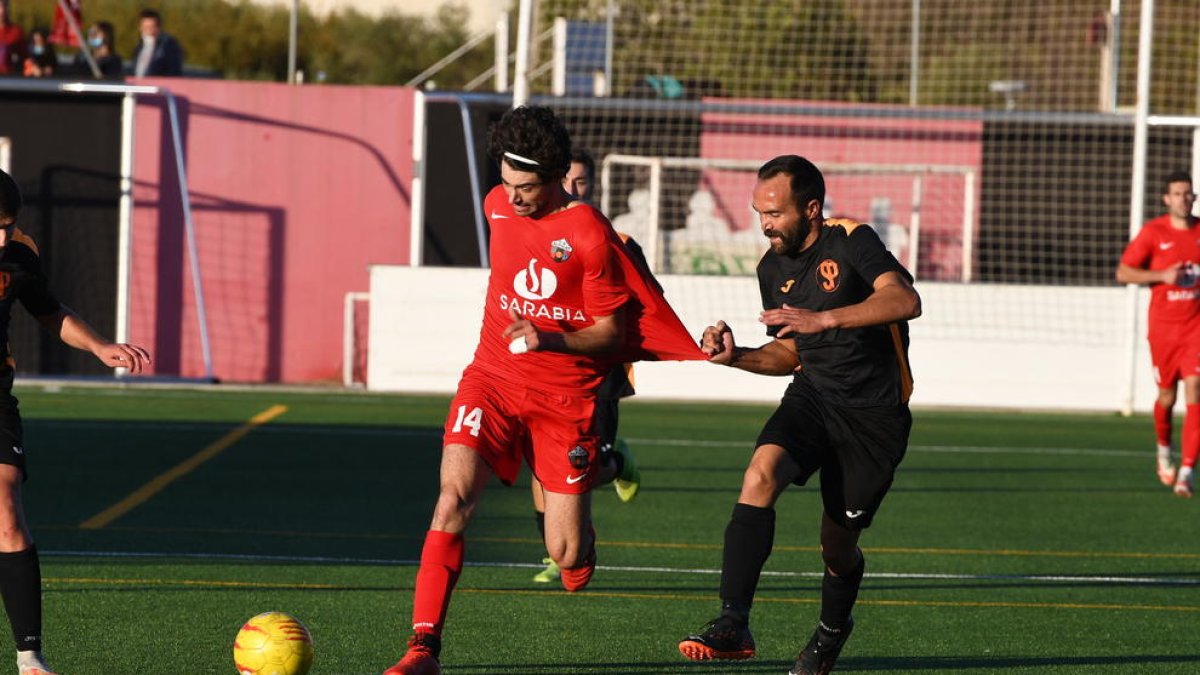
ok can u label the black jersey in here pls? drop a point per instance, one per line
(849, 366)
(21, 278)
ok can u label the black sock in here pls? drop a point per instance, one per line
(748, 541)
(21, 589)
(838, 595)
(617, 460)
(541, 522)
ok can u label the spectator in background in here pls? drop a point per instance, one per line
(157, 53)
(101, 40)
(12, 44)
(42, 60)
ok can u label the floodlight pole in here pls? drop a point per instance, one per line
(524, 46)
(293, 31)
(914, 55)
(1137, 188)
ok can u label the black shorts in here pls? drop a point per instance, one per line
(12, 443)
(856, 450)
(616, 386)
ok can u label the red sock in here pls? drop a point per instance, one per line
(1162, 424)
(441, 563)
(1190, 444)
(576, 578)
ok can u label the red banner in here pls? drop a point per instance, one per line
(61, 33)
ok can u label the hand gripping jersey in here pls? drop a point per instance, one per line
(21, 278)
(849, 366)
(559, 271)
(1157, 246)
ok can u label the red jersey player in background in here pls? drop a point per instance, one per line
(564, 304)
(1165, 255)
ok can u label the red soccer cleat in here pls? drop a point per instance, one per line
(421, 657)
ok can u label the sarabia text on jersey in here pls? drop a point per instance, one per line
(559, 271)
(1158, 246)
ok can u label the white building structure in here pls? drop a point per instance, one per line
(483, 12)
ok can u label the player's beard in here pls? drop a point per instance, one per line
(790, 240)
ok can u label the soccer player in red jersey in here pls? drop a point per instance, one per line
(23, 281)
(564, 304)
(1165, 255)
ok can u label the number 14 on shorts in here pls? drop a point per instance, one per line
(472, 420)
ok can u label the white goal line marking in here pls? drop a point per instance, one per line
(350, 430)
(1072, 579)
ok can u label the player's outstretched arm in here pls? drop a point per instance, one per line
(894, 299)
(76, 332)
(774, 358)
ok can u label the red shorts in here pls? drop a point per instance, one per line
(1175, 354)
(504, 422)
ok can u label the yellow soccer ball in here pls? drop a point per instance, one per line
(273, 643)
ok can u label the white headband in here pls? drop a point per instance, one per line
(523, 160)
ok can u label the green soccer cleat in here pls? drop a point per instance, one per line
(630, 480)
(548, 575)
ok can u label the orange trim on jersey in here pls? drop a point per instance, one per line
(847, 224)
(906, 378)
(22, 238)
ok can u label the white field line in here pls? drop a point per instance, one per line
(1114, 580)
(350, 430)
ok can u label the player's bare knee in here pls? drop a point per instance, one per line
(453, 511)
(759, 487)
(13, 538)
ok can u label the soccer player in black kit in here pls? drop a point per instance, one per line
(21, 279)
(837, 305)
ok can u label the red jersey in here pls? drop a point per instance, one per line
(559, 271)
(1158, 246)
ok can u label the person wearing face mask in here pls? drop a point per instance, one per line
(100, 39)
(158, 53)
(42, 60)
(12, 43)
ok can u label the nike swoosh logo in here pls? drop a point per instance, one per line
(571, 480)
(854, 514)
(1166, 245)
(498, 216)
(18, 449)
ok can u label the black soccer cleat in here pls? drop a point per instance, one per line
(722, 638)
(822, 650)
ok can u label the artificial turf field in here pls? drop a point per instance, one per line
(1032, 543)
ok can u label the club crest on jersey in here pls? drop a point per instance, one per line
(560, 250)
(829, 275)
(578, 457)
(787, 286)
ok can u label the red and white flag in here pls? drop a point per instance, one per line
(61, 33)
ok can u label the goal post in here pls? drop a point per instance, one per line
(666, 251)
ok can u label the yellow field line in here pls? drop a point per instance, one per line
(161, 481)
(211, 583)
(629, 596)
